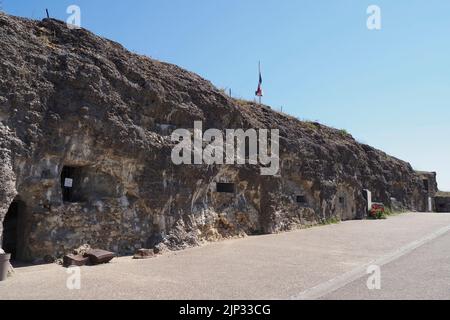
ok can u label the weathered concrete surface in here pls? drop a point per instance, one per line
(262, 267)
(7, 176)
(71, 99)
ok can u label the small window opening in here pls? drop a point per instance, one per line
(225, 187)
(70, 184)
(301, 199)
(342, 201)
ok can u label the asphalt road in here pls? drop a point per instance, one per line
(422, 274)
(327, 262)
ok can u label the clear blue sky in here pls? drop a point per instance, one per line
(389, 88)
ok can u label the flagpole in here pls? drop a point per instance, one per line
(259, 70)
(259, 91)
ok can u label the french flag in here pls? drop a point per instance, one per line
(259, 91)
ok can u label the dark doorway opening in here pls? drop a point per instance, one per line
(426, 185)
(342, 202)
(70, 182)
(13, 230)
(225, 187)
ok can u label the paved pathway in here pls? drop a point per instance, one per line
(327, 262)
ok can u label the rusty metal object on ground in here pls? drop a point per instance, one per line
(98, 256)
(75, 260)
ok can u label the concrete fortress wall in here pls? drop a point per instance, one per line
(76, 106)
(442, 201)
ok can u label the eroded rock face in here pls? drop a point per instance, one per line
(7, 176)
(74, 104)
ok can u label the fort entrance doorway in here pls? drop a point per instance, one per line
(14, 230)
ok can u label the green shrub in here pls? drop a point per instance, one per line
(331, 220)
